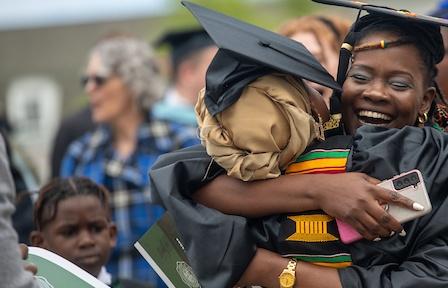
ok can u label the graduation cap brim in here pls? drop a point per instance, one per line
(178, 37)
(257, 45)
(385, 10)
(184, 43)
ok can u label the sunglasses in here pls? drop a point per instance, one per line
(98, 80)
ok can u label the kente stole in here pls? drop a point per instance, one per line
(313, 236)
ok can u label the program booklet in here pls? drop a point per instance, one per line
(53, 271)
(163, 250)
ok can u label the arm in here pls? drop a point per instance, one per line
(421, 258)
(12, 273)
(174, 177)
(357, 206)
(425, 266)
(266, 266)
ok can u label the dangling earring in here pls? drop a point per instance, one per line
(422, 119)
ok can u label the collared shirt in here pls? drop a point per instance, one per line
(175, 108)
(94, 156)
(105, 276)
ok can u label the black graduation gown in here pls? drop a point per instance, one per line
(419, 259)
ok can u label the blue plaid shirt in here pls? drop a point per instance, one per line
(127, 179)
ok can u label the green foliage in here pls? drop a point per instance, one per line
(268, 14)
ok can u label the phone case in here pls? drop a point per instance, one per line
(347, 233)
(411, 185)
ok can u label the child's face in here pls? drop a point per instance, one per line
(80, 232)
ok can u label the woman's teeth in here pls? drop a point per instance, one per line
(373, 118)
(374, 115)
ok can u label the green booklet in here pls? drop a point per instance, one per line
(163, 250)
(53, 271)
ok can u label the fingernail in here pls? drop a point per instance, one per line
(402, 233)
(392, 233)
(377, 239)
(417, 207)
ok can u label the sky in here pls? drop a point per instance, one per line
(22, 14)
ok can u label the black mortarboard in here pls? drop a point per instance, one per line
(247, 52)
(184, 43)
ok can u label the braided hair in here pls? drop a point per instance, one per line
(59, 189)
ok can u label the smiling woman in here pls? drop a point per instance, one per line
(387, 93)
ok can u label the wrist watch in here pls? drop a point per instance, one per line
(288, 277)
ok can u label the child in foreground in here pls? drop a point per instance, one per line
(72, 219)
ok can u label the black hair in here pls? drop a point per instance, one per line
(58, 189)
(406, 37)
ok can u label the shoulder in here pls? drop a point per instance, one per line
(170, 135)
(78, 146)
(86, 148)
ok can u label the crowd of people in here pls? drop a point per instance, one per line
(244, 153)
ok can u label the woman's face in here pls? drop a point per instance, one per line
(325, 54)
(110, 99)
(385, 87)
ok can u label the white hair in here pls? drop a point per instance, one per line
(132, 60)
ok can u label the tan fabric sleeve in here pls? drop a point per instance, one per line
(260, 134)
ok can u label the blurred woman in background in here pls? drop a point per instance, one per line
(123, 81)
(323, 37)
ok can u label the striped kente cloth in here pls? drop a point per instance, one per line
(312, 236)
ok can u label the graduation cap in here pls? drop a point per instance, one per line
(184, 43)
(401, 13)
(247, 52)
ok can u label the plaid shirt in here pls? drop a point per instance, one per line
(93, 156)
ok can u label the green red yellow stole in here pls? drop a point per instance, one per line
(313, 236)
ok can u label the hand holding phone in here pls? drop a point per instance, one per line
(409, 184)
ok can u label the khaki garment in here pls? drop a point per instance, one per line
(262, 132)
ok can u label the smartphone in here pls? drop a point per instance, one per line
(409, 184)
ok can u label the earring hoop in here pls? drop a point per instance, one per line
(422, 119)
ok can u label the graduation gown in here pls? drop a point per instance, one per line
(420, 258)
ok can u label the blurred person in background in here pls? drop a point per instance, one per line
(323, 37)
(442, 76)
(122, 81)
(441, 113)
(192, 50)
(12, 272)
(69, 130)
(25, 182)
